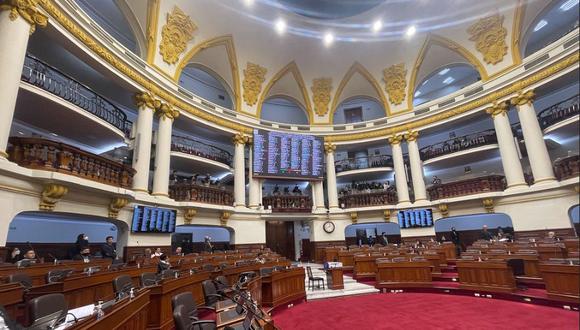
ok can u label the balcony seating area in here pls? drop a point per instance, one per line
(559, 112)
(201, 149)
(460, 143)
(50, 79)
(288, 203)
(46, 155)
(373, 198)
(358, 163)
(467, 187)
(567, 168)
(188, 192)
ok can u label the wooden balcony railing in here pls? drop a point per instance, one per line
(458, 144)
(288, 203)
(357, 163)
(368, 199)
(187, 192)
(567, 168)
(41, 154)
(193, 147)
(559, 112)
(467, 187)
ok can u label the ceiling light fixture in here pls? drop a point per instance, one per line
(53, 134)
(280, 26)
(417, 93)
(411, 31)
(249, 3)
(540, 25)
(328, 39)
(448, 80)
(377, 26)
(444, 71)
(568, 5)
(426, 81)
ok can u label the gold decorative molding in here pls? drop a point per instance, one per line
(240, 139)
(152, 19)
(488, 204)
(166, 111)
(444, 210)
(498, 108)
(387, 215)
(411, 136)
(329, 148)
(27, 9)
(395, 78)
(321, 88)
(523, 98)
(188, 215)
(395, 139)
(354, 217)
(225, 216)
(254, 77)
(175, 35)
(519, 13)
(146, 100)
(4, 154)
(51, 194)
(116, 205)
(489, 36)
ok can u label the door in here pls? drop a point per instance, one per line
(280, 238)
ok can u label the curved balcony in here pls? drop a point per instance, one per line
(288, 203)
(467, 187)
(567, 168)
(373, 198)
(200, 149)
(50, 79)
(361, 163)
(559, 112)
(458, 144)
(188, 192)
(46, 155)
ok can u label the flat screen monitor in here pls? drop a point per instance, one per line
(415, 218)
(287, 156)
(153, 220)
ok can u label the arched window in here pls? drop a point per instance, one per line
(283, 109)
(358, 109)
(555, 21)
(444, 81)
(206, 84)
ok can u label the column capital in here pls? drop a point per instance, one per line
(166, 110)
(411, 136)
(240, 139)
(329, 148)
(523, 98)
(27, 9)
(498, 108)
(395, 139)
(146, 100)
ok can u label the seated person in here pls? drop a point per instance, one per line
(276, 190)
(260, 258)
(163, 263)
(485, 234)
(84, 255)
(286, 190)
(296, 190)
(157, 253)
(178, 251)
(552, 236)
(108, 249)
(28, 258)
(14, 255)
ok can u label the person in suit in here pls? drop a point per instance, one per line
(157, 253)
(163, 263)
(485, 234)
(207, 246)
(84, 255)
(108, 250)
(178, 251)
(14, 256)
(384, 239)
(28, 258)
(455, 240)
(81, 244)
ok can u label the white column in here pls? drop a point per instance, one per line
(254, 189)
(416, 167)
(331, 176)
(510, 160)
(240, 141)
(534, 138)
(142, 146)
(15, 31)
(400, 176)
(318, 192)
(163, 150)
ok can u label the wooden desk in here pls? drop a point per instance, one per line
(38, 272)
(233, 273)
(403, 274)
(531, 262)
(331, 253)
(347, 259)
(11, 297)
(282, 287)
(365, 266)
(435, 261)
(547, 252)
(334, 279)
(494, 276)
(160, 312)
(446, 251)
(562, 281)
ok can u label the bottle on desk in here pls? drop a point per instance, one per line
(99, 310)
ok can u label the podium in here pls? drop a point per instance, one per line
(334, 279)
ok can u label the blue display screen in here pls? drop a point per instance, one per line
(153, 220)
(415, 218)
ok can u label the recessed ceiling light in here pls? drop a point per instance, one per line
(280, 26)
(426, 81)
(448, 80)
(443, 72)
(21, 133)
(540, 25)
(53, 134)
(377, 26)
(417, 93)
(248, 3)
(568, 5)
(411, 31)
(328, 39)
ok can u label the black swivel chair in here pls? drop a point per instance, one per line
(265, 271)
(221, 283)
(148, 279)
(58, 275)
(183, 322)
(24, 279)
(122, 284)
(47, 311)
(168, 273)
(210, 293)
(191, 309)
(314, 280)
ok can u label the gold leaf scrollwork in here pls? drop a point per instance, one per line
(116, 205)
(175, 35)
(146, 100)
(387, 215)
(329, 148)
(488, 205)
(166, 111)
(411, 136)
(523, 98)
(321, 88)
(354, 217)
(254, 77)
(395, 139)
(188, 215)
(498, 108)
(444, 209)
(489, 36)
(27, 9)
(225, 216)
(51, 194)
(395, 78)
(240, 139)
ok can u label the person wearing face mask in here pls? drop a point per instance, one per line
(163, 263)
(81, 244)
(14, 255)
(84, 255)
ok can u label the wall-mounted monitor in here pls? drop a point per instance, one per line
(287, 156)
(415, 218)
(153, 220)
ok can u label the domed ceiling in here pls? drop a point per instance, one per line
(328, 9)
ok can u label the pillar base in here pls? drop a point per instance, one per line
(517, 186)
(543, 181)
(421, 202)
(404, 204)
(3, 154)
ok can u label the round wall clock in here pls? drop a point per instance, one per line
(328, 226)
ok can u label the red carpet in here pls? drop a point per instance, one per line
(422, 311)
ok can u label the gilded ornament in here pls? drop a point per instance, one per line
(395, 139)
(175, 35)
(444, 210)
(166, 111)
(27, 9)
(116, 205)
(188, 215)
(395, 82)
(146, 100)
(411, 136)
(51, 194)
(387, 215)
(498, 108)
(489, 36)
(354, 217)
(254, 77)
(523, 98)
(488, 205)
(240, 139)
(329, 148)
(225, 217)
(321, 88)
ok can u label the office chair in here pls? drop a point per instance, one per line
(312, 280)
(58, 275)
(191, 309)
(122, 284)
(168, 273)
(47, 311)
(148, 279)
(183, 322)
(24, 279)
